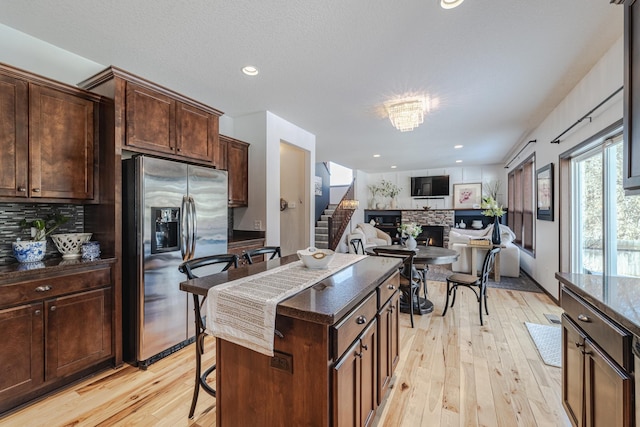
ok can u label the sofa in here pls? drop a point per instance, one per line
(509, 254)
(370, 236)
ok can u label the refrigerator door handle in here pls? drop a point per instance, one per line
(194, 226)
(184, 229)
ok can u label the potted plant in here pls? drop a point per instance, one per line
(35, 249)
(411, 231)
(375, 190)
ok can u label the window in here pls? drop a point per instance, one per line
(340, 175)
(521, 213)
(605, 222)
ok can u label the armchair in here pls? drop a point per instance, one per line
(369, 235)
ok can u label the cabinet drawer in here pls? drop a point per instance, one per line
(22, 292)
(387, 289)
(348, 329)
(608, 335)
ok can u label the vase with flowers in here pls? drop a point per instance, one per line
(491, 208)
(390, 190)
(410, 231)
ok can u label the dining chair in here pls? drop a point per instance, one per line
(472, 282)
(409, 277)
(226, 261)
(273, 250)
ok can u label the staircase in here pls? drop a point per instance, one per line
(322, 228)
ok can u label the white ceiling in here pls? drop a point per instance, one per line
(498, 67)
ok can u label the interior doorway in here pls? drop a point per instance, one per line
(294, 195)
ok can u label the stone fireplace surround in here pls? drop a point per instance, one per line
(441, 217)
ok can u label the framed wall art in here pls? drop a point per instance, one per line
(544, 191)
(467, 196)
(318, 185)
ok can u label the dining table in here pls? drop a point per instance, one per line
(425, 256)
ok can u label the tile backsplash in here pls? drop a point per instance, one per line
(12, 213)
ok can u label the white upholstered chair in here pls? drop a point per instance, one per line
(369, 235)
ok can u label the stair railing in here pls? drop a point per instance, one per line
(341, 216)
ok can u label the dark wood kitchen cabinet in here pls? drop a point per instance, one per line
(48, 138)
(55, 329)
(597, 384)
(158, 122)
(631, 117)
(388, 335)
(236, 153)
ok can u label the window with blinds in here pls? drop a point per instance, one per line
(521, 202)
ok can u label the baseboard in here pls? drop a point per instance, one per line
(542, 288)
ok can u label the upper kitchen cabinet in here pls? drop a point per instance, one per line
(156, 120)
(237, 164)
(48, 139)
(631, 163)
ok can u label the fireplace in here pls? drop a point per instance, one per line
(432, 235)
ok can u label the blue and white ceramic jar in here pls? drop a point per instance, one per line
(29, 250)
(91, 250)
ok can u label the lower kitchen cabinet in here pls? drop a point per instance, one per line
(54, 330)
(597, 381)
(388, 341)
(239, 247)
(355, 381)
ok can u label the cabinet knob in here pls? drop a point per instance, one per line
(583, 318)
(53, 308)
(37, 312)
(579, 344)
(22, 189)
(36, 190)
(44, 288)
(359, 355)
(391, 287)
(361, 320)
(364, 346)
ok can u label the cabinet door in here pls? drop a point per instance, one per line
(608, 390)
(21, 352)
(150, 118)
(369, 376)
(14, 136)
(78, 331)
(61, 144)
(221, 160)
(238, 166)
(572, 371)
(196, 133)
(385, 344)
(631, 162)
(355, 381)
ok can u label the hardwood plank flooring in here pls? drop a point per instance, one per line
(453, 372)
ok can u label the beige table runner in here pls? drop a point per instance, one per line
(244, 311)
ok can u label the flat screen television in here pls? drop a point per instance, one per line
(430, 186)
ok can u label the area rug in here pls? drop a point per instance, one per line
(548, 341)
(438, 273)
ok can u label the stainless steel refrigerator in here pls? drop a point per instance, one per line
(172, 212)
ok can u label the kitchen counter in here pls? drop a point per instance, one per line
(17, 271)
(617, 297)
(325, 302)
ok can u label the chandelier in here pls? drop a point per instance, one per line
(407, 114)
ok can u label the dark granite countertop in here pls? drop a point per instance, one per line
(17, 272)
(617, 297)
(325, 302)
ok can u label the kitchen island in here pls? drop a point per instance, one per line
(335, 357)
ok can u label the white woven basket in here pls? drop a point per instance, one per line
(70, 244)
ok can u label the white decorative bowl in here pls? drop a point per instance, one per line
(70, 244)
(315, 258)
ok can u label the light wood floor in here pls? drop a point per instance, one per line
(453, 372)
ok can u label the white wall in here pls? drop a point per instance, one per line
(265, 131)
(603, 80)
(457, 175)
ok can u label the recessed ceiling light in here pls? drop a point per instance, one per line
(458, 161)
(450, 4)
(376, 155)
(250, 70)
(393, 167)
(457, 147)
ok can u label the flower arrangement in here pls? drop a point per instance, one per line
(491, 208)
(411, 229)
(389, 189)
(375, 189)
